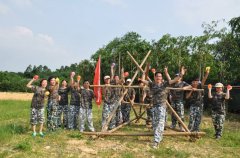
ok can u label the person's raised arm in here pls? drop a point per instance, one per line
(72, 80)
(209, 91)
(167, 74)
(205, 76)
(228, 92)
(29, 85)
(112, 72)
(183, 70)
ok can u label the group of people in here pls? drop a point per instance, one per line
(156, 93)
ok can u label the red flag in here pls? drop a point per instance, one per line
(97, 90)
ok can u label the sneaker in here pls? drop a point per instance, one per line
(155, 145)
(41, 134)
(172, 127)
(34, 134)
(218, 136)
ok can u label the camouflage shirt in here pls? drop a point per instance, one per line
(177, 95)
(87, 96)
(53, 96)
(196, 99)
(38, 97)
(117, 92)
(75, 96)
(218, 103)
(159, 92)
(148, 98)
(129, 95)
(108, 95)
(63, 92)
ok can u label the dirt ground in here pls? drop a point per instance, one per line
(15, 96)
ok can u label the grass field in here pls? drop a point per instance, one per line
(16, 139)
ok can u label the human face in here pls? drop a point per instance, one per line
(158, 78)
(53, 82)
(218, 89)
(194, 84)
(107, 81)
(86, 85)
(116, 78)
(44, 84)
(64, 83)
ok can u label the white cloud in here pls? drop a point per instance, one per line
(4, 9)
(20, 46)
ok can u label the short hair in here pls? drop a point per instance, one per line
(64, 80)
(158, 72)
(40, 84)
(50, 78)
(85, 81)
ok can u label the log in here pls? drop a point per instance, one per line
(178, 118)
(194, 134)
(120, 126)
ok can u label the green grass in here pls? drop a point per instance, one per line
(16, 139)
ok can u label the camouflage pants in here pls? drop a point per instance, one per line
(107, 109)
(179, 108)
(63, 110)
(73, 115)
(126, 109)
(159, 112)
(84, 114)
(118, 117)
(218, 121)
(37, 116)
(195, 118)
(52, 116)
(149, 115)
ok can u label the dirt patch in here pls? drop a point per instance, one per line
(15, 96)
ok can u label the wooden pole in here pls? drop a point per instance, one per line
(120, 126)
(104, 128)
(194, 134)
(178, 118)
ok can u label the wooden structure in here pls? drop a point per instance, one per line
(139, 115)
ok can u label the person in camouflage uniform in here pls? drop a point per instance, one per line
(85, 111)
(73, 111)
(37, 105)
(115, 80)
(218, 107)
(177, 101)
(159, 93)
(126, 107)
(53, 102)
(63, 103)
(108, 105)
(195, 99)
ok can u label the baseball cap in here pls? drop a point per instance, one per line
(219, 85)
(106, 77)
(129, 80)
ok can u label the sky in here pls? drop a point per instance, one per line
(63, 32)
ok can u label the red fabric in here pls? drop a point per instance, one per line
(96, 81)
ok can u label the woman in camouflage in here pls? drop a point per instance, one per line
(37, 105)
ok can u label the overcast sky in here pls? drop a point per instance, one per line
(62, 32)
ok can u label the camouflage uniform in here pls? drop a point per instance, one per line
(117, 94)
(148, 100)
(37, 105)
(159, 97)
(126, 107)
(218, 112)
(196, 109)
(63, 106)
(109, 103)
(85, 111)
(52, 116)
(177, 102)
(73, 111)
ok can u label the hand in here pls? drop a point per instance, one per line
(153, 70)
(78, 78)
(229, 87)
(183, 70)
(209, 86)
(166, 69)
(35, 77)
(208, 69)
(194, 89)
(72, 74)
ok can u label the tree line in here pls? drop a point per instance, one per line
(217, 48)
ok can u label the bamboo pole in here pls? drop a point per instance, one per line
(120, 126)
(138, 66)
(193, 134)
(104, 128)
(178, 118)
